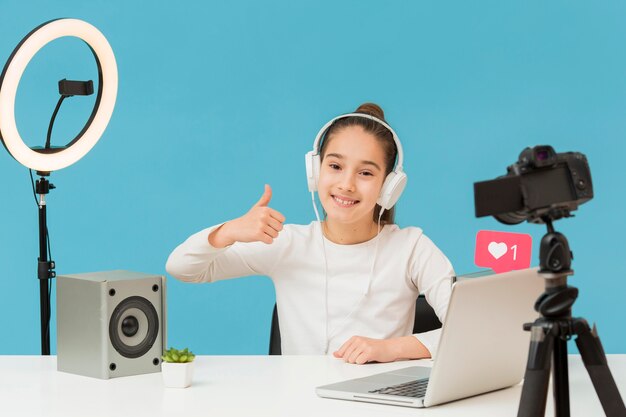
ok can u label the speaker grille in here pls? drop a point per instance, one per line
(138, 342)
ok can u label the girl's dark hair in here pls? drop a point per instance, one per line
(381, 133)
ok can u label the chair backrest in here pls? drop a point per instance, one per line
(275, 348)
(425, 317)
(425, 320)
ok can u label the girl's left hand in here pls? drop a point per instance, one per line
(359, 350)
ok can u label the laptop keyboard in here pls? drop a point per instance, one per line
(408, 389)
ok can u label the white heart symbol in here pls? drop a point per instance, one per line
(497, 249)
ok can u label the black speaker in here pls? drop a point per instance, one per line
(110, 324)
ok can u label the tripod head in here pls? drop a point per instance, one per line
(555, 256)
(555, 260)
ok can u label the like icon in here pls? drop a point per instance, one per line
(502, 251)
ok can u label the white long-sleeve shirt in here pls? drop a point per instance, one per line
(327, 292)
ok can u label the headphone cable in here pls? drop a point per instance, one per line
(369, 283)
(317, 216)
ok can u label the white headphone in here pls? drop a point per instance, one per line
(394, 183)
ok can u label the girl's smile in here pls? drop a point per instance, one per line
(344, 201)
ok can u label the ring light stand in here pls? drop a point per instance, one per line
(48, 159)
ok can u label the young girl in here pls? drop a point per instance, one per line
(347, 285)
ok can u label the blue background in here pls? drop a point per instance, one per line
(217, 99)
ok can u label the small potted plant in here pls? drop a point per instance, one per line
(177, 367)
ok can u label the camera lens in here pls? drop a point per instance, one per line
(511, 218)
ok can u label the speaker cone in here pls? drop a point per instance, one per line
(133, 327)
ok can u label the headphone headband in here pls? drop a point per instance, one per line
(322, 132)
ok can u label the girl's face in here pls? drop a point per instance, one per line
(351, 176)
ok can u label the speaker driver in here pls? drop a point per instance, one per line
(133, 327)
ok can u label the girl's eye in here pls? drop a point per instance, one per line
(333, 166)
(367, 173)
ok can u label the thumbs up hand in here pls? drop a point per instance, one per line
(260, 224)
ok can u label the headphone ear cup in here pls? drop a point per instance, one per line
(392, 189)
(312, 162)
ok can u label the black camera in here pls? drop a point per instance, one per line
(541, 185)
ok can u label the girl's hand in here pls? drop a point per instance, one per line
(260, 224)
(359, 350)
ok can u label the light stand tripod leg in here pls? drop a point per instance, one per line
(597, 367)
(537, 376)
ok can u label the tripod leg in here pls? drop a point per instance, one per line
(594, 359)
(537, 376)
(560, 379)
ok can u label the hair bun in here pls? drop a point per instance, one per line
(372, 109)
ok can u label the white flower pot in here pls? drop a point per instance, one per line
(177, 375)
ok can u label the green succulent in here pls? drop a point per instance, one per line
(178, 356)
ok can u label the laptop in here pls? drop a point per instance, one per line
(483, 347)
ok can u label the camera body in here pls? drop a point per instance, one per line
(541, 184)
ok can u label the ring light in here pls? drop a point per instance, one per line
(48, 160)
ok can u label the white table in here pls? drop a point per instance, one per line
(249, 386)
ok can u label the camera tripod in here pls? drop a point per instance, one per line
(550, 333)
